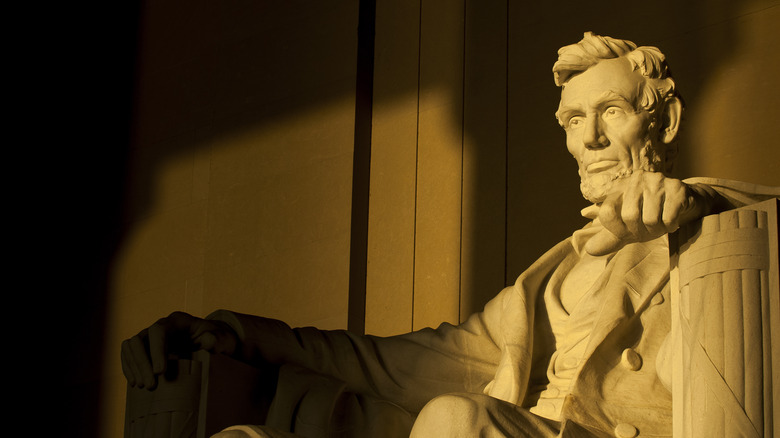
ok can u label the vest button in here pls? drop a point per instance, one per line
(625, 430)
(545, 409)
(630, 359)
(571, 362)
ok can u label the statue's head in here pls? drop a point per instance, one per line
(619, 108)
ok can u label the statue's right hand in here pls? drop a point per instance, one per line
(144, 356)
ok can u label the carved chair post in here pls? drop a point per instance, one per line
(198, 397)
(726, 324)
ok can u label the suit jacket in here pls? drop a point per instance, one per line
(504, 350)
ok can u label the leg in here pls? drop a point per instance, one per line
(466, 415)
(252, 432)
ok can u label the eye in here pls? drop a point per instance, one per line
(612, 112)
(576, 122)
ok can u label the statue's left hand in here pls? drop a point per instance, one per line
(643, 207)
(144, 356)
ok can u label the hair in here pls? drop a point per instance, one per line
(648, 61)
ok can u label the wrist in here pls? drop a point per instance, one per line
(709, 200)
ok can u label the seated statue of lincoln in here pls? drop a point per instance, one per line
(578, 346)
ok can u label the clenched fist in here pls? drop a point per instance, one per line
(645, 206)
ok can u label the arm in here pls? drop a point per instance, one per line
(407, 370)
(647, 205)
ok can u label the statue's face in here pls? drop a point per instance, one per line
(605, 131)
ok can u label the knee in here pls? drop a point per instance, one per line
(241, 431)
(449, 415)
(231, 434)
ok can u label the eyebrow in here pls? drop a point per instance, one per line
(562, 114)
(611, 96)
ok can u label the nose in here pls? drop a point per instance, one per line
(593, 136)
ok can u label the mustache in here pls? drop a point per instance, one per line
(595, 188)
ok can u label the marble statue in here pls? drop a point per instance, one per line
(578, 346)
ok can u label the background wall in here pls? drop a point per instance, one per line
(240, 170)
(238, 192)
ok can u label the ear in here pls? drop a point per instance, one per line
(670, 120)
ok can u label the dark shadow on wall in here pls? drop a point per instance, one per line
(89, 123)
(209, 69)
(165, 78)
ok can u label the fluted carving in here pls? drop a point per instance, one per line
(726, 326)
(172, 409)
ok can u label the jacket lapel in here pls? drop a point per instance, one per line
(634, 275)
(517, 327)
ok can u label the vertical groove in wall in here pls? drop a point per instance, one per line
(361, 167)
(462, 158)
(417, 160)
(506, 155)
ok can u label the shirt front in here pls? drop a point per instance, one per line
(572, 301)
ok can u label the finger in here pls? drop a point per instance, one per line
(203, 334)
(652, 211)
(673, 208)
(129, 368)
(610, 215)
(216, 336)
(653, 205)
(141, 360)
(157, 346)
(631, 210)
(206, 341)
(603, 243)
(590, 212)
(677, 207)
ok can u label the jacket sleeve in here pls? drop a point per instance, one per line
(408, 370)
(736, 194)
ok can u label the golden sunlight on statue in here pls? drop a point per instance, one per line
(578, 346)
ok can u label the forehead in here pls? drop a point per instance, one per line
(612, 77)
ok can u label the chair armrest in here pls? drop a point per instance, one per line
(200, 397)
(726, 324)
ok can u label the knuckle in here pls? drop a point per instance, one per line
(630, 214)
(135, 341)
(126, 348)
(671, 217)
(608, 213)
(650, 218)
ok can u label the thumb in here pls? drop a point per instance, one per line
(206, 341)
(218, 339)
(603, 243)
(590, 212)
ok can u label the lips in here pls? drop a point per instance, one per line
(600, 166)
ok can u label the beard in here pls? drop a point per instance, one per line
(595, 188)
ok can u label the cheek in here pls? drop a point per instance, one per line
(634, 133)
(572, 146)
(635, 145)
(629, 139)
